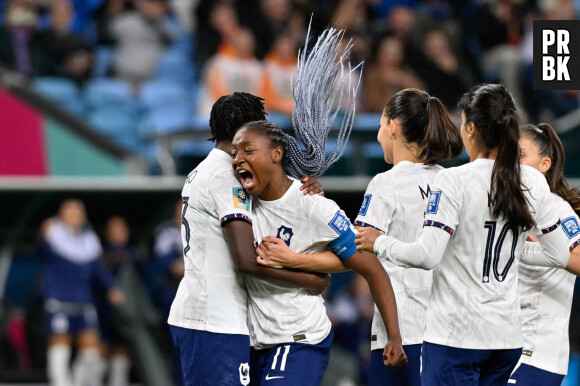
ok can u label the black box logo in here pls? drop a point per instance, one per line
(557, 54)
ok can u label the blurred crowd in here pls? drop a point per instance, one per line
(157, 66)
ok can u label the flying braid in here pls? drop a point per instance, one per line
(323, 85)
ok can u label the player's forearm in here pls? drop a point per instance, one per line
(426, 253)
(325, 262)
(286, 277)
(574, 262)
(381, 289)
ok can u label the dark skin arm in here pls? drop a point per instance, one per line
(379, 282)
(240, 240)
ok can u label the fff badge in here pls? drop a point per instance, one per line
(556, 54)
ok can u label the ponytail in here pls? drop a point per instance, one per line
(442, 139)
(549, 145)
(492, 110)
(425, 122)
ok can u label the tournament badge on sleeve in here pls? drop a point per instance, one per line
(241, 199)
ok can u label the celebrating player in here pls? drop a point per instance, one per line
(290, 330)
(415, 133)
(546, 293)
(208, 316)
(476, 222)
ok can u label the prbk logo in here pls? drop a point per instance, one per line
(556, 54)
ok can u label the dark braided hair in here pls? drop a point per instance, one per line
(293, 157)
(549, 145)
(230, 112)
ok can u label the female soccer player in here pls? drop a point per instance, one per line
(415, 133)
(476, 221)
(546, 293)
(71, 267)
(289, 327)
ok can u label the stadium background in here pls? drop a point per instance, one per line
(107, 101)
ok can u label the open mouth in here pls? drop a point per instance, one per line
(246, 178)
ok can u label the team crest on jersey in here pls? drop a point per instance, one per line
(339, 223)
(433, 204)
(365, 205)
(244, 374)
(285, 234)
(241, 199)
(571, 227)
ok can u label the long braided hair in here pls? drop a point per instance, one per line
(323, 84)
(230, 112)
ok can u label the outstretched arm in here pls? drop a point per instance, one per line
(380, 285)
(274, 253)
(240, 240)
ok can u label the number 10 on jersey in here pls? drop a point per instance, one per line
(493, 252)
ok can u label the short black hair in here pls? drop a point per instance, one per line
(230, 112)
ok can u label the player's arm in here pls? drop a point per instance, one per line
(274, 253)
(240, 240)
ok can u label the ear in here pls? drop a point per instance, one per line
(545, 164)
(277, 154)
(470, 129)
(394, 128)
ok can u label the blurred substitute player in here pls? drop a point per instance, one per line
(415, 133)
(208, 316)
(476, 223)
(72, 266)
(291, 333)
(546, 293)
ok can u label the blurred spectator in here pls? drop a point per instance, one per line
(142, 37)
(387, 75)
(21, 48)
(104, 17)
(118, 254)
(351, 313)
(443, 72)
(267, 19)
(279, 67)
(233, 68)
(72, 252)
(69, 52)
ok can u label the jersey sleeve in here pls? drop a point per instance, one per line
(378, 206)
(570, 224)
(545, 208)
(329, 224)
(444, 204)
(230, 200)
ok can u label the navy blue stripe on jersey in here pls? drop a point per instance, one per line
(436, 224)
(551, 229)
(574, 245)
(235, 216)
(365, 225)
(344, 246)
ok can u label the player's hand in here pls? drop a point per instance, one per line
(115, 296)
(320, 283)
(311, 185)
(274, 253)
(532, 237)
(365, 239)
(394, 355)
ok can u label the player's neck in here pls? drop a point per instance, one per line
(278, 186)
(405, 152)
(478, 153)
(224, 146)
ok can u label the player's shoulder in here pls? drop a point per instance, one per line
(534, 181)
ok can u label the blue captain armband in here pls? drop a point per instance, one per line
(343, 246)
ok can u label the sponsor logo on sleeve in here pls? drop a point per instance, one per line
(241, 199)
(339, 223)
(433, 205)
(571, 227)
(365, 205)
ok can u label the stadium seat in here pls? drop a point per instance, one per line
(107, 92)
(64, 92)
(104, 57)
(118, 125)
(163, 92)
(176, 65)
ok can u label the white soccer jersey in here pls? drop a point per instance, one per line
(474, 300)
(546, 301)
(308, 224)
(211, 296)
(394, 203)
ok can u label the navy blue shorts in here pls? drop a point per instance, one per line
(444, 365)
(291, 363)
(530, 375)
(209, 358)
(409, 375)
(69, 318)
